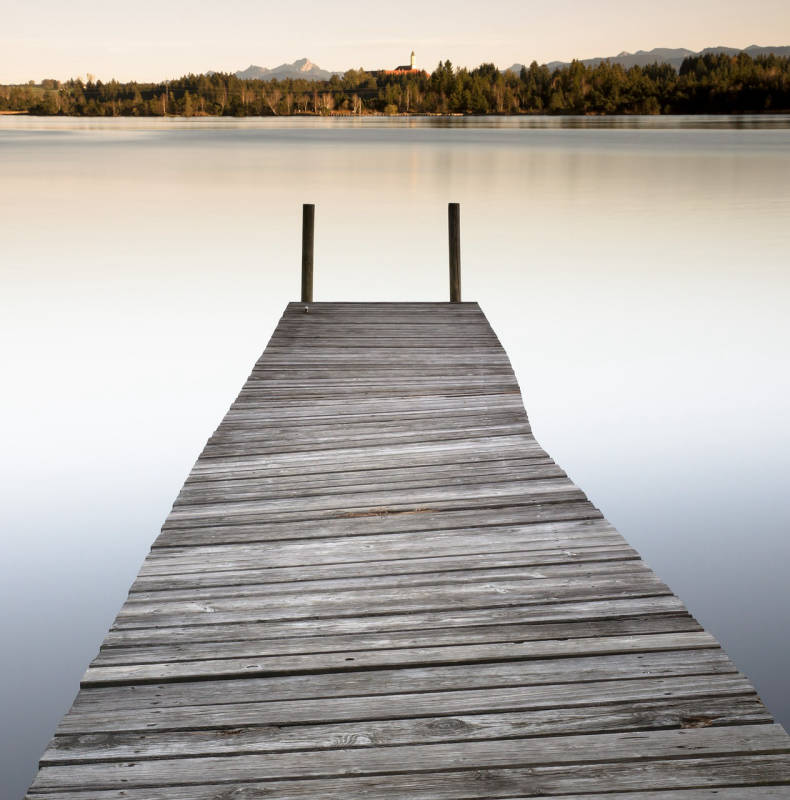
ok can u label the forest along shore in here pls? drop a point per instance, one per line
(705, 84)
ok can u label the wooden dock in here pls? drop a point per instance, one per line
(376, 584)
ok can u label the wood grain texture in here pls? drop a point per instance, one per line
(487, 754)
(552, 697)
(375, 583)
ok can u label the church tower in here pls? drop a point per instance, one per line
(412, 59)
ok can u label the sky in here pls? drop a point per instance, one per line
(155, 40)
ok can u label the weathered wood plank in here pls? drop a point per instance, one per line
(271, 408)
(322, 468)
(547, 540)
(364, 602)
(538, 614)
(616, 717)
(137, 653)
(750, 774)
(464, 572)
(394, 658)
(426, 475)
(391, 454)
(580, 749)
(327, 428)
(440, 566)
(365, 683)
(382, 478)
(580, 513)
(340, 443)
(425, 791)
(314, 711)
(438, 497)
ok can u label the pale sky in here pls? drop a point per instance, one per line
(152, 40)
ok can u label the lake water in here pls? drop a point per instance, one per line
(635, 269)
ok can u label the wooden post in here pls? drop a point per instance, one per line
(308, 230)
(454, 225)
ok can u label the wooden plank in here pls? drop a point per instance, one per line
(539, 614)
(579, 516)
(315, 711)
(712, 774)
(581, 749)
(393, 658)
(410, 339)
(271, 408)
(438, 497)
(442, 567)
(361, 360)
(326, 466)
(394, 408)
(532, 540)
(391, 454)
(252, 424)
(616, 717)
(216, 792)
(289, 391)
(364, 602)
(466, 571)
(136, 653)
(596, 559)
(366, 683)
(361, 441)
(537, 492)
(335, 431)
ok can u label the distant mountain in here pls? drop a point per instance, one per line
(665, 55)
(303, 68)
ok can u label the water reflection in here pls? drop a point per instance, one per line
(490, 122)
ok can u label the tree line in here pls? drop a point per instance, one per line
(707, 84)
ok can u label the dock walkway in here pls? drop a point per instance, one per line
(376, 584)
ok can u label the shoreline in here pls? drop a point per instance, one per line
(400, 115)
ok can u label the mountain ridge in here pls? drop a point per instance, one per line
(673, 56)
(301, 68)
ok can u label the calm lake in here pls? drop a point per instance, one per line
(636, 270)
